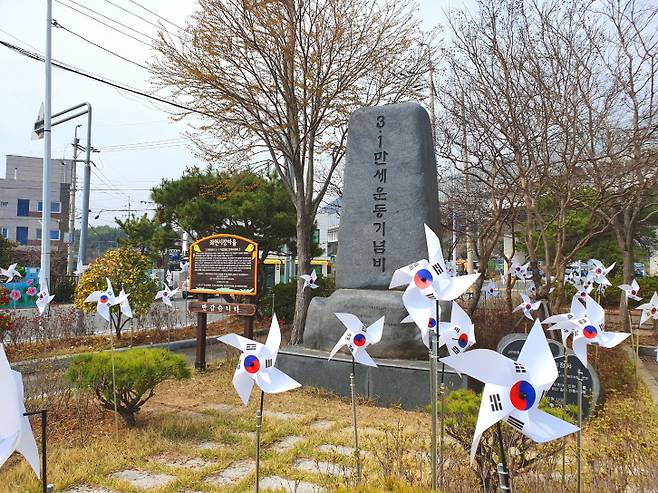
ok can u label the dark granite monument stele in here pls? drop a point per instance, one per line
(390, 192)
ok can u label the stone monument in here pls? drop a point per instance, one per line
(390, 191)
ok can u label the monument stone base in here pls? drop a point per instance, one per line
(393, 382)
(400, 341)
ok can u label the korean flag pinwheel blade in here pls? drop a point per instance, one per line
(256, 364)
(357, 337)
(43, 296)
(513, 389)
(459, 334)
(422, 313)
(649, 310)
(104, 300)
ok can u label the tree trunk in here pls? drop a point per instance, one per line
(304, 266)
(484, 262)
(629, 260)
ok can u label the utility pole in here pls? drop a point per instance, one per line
(470, 247)
(45, 190)
(70, 257)
(84, 226)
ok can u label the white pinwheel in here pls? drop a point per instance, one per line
(578, 318)
(104, 300)
(15, 431)
(583, 291)
(649, 310)
(257, 362)
(170, 278)
(598, 273)
(309, 280)
(631, 290)
(166, 295)
(527, 306)
(124, 304)
(428, 282)
(590, 331)
(451, 268)
(490, 289)
(531, 289)
(43, 296)
(10, 272)
(458, 334)
(80, 269)
(520, 271)
(513, 389)
(184, 268)
(357, 337)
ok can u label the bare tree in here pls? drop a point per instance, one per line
(279, 78)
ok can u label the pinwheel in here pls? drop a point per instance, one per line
(577, 318)
(520, 271)
(490, 289)
(458, 334)
(124, 304)
(166, 295)
(531, 290)
(184, 268)
(599, 272)
(590, 331)
(80, 269)
(170, 278)
(15, 431)
(583, 291)
(43, 296)
(513, 389)
(357, 337)
(649, 310)
(309, 280)
(631, 290)
(451, 268)
(527, 306)
(104, 300)
(10, 272)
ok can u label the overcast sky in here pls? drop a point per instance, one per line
(152, 146)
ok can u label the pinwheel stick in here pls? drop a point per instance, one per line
(503, 471)
(357, 452)
(45, 487)
(630, 328)
(259, 425)
(565, 364)
(580, 427)
(114, 381)
(441, 439)
(433, 388)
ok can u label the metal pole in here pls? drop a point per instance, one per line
(70, 256)
(201, 329)
(84, 224)
(259, 424)
(43, 414)
(580, 424)
(564, 408)
(503, 471)
(441, 435)
(433, 386)
(45, 190)
(356, 433)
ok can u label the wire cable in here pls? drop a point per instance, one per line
(159, 26)
(158, 16)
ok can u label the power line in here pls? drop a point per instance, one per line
(159, 26)
(57, 24)
(158, 16)
(104, 23)
(36, 56)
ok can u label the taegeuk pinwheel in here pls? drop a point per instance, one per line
(104, 300)
(357, 337)
(428, 282)
(520, 271)
(649, 310)
(577, 318)
(631, 290)
(490, 289)
(256, 364)
(10, 272)
(590, 331)
(599, 272)
(458, 334)
(309, 280)
(166, 295)
(527, 306)
(124, 304)
(43, 296)
(15, 430)
(80, 268)
(513, 389)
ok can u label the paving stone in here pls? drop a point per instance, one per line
(341, 450)
(322, 425)
(209, 445)
(289, 485)
(234, 473)
(286, 444)
(83, 488)
(363, 431)
(143, 479)
(181, 462)
(322, 467)
(283, 416)
(221, 407)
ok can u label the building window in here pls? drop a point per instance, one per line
(23, 207)
(21, 235)
(54, 234)
(4, 232)
(4, 204)
(55, 207)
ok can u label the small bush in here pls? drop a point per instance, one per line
(137, 373)
(285, 293)
(64, 290)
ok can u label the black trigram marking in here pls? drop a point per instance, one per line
(238, 365)
(494, 399)
(412, 266)
(268, 363)
(455, 349)
(570, 316)
(348, 337)
(519, 368)
(430, 296)
(251, 347)
(582, 321)
(516, 423)
(437, 268)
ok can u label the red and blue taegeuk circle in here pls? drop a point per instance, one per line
(359, 340)
(431, 323)
(104, 298)
(251, 364)
(423, 279)
(590, 331)
(462, 340)
(523, 395)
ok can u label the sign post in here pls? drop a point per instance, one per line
(222, 264)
